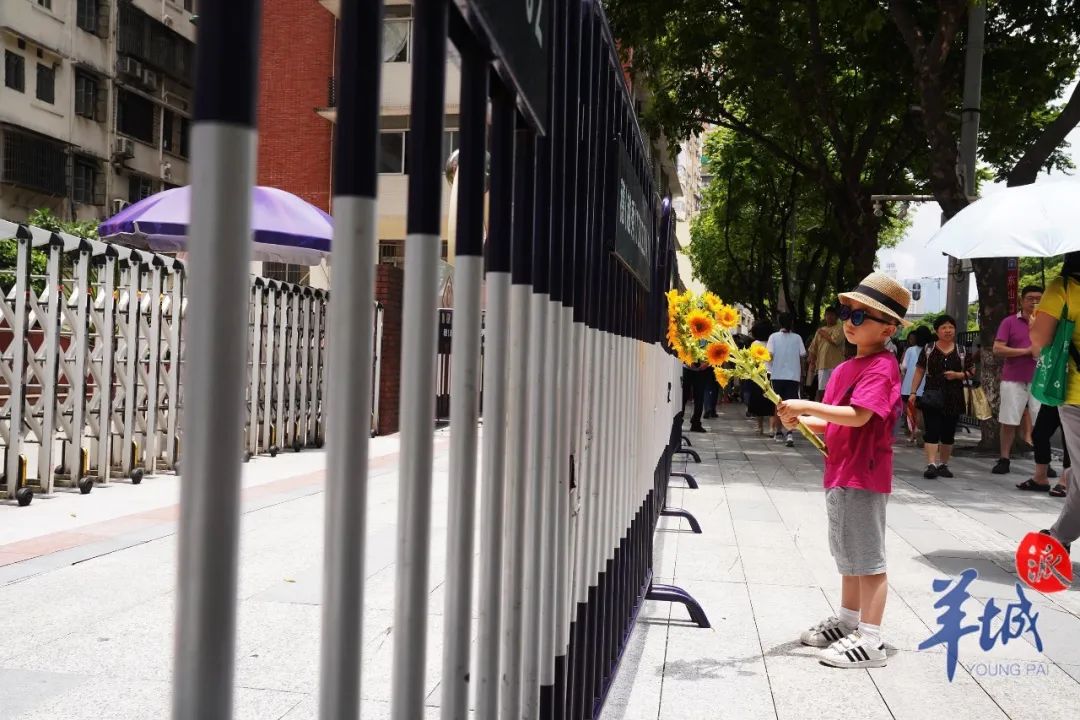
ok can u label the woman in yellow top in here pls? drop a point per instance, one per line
(1043, 324)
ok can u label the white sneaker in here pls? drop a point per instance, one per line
(855, 651)
(789, 440)
(779, 436)
(825, 633)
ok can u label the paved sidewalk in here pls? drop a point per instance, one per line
(88, 585)
(763, 573)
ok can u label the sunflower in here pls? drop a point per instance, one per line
(722, 376)
(759, 353)
(727, 316)
(718, 353)
(712, 302)
(701, 325)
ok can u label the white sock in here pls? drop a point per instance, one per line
(850, 618)
(872, 632)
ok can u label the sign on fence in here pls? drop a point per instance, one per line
(632, 224)
(518, 33)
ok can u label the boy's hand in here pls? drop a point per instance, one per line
(789, 412)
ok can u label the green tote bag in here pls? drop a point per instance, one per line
(1052, 374)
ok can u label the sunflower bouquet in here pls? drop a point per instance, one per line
(699, 330)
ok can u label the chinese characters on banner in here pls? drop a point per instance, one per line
(1012, 281)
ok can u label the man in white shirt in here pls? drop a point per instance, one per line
(785, 368)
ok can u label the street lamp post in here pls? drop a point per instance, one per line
(969, 144)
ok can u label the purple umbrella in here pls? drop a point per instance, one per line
(287, 229)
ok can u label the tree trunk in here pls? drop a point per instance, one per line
(991, 278)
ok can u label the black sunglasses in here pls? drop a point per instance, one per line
(857, 317)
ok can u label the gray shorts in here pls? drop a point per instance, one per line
(857, 530)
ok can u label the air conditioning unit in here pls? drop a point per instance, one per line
(166, 171)
(167, 20)
(129, 67)
(119, 204)
(150, 80)
(124, 147)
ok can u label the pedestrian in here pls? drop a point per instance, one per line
(917, 339)
(826, 351)
(1013, 343)
(1063, 291)
(1046, 424)
(857, 417)
(695, 383)
(785, 368)
(757, 405)
(945, 368)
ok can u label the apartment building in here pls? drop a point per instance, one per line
(95, 104)
(298, 109)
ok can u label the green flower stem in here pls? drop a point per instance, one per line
(806, 432)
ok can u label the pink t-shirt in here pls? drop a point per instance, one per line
(1013, 331)
(862, 457)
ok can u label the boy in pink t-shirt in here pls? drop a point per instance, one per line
(857, 416)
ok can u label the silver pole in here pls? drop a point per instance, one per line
(534, 507)
(464, 389)
(422, 246)
(223, 173)
(520, 424)
(497, 420)
(350, 338)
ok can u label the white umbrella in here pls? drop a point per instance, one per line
(1040, 220)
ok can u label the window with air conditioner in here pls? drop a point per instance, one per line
(46, 83)
(14, 71)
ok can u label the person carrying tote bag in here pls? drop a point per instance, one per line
(946, 369)
(1055, 333)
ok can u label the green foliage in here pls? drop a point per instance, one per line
(765, 232)
(43, 218)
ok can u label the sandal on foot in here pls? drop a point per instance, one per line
(1057, 491)
(1033, 486)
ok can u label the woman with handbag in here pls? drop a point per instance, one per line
(945, 368)
(1057, 380)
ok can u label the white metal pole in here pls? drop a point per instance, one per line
(223, 173)
(422, 250)
(349, 355)
(496, 457)
(465, 387)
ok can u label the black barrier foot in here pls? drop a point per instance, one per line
(690, 481)
(670, 593)
(686, 441)
(679, 512)
(692, 453)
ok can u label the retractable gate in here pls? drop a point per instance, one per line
(92, 356)
(580, 418)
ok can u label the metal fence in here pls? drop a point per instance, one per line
(580, 410)
(92, 354)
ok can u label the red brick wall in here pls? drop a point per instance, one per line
(389, 284)
(296, 61)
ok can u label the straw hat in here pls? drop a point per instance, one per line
(882, 293)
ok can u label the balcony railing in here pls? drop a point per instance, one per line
(331, 92)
